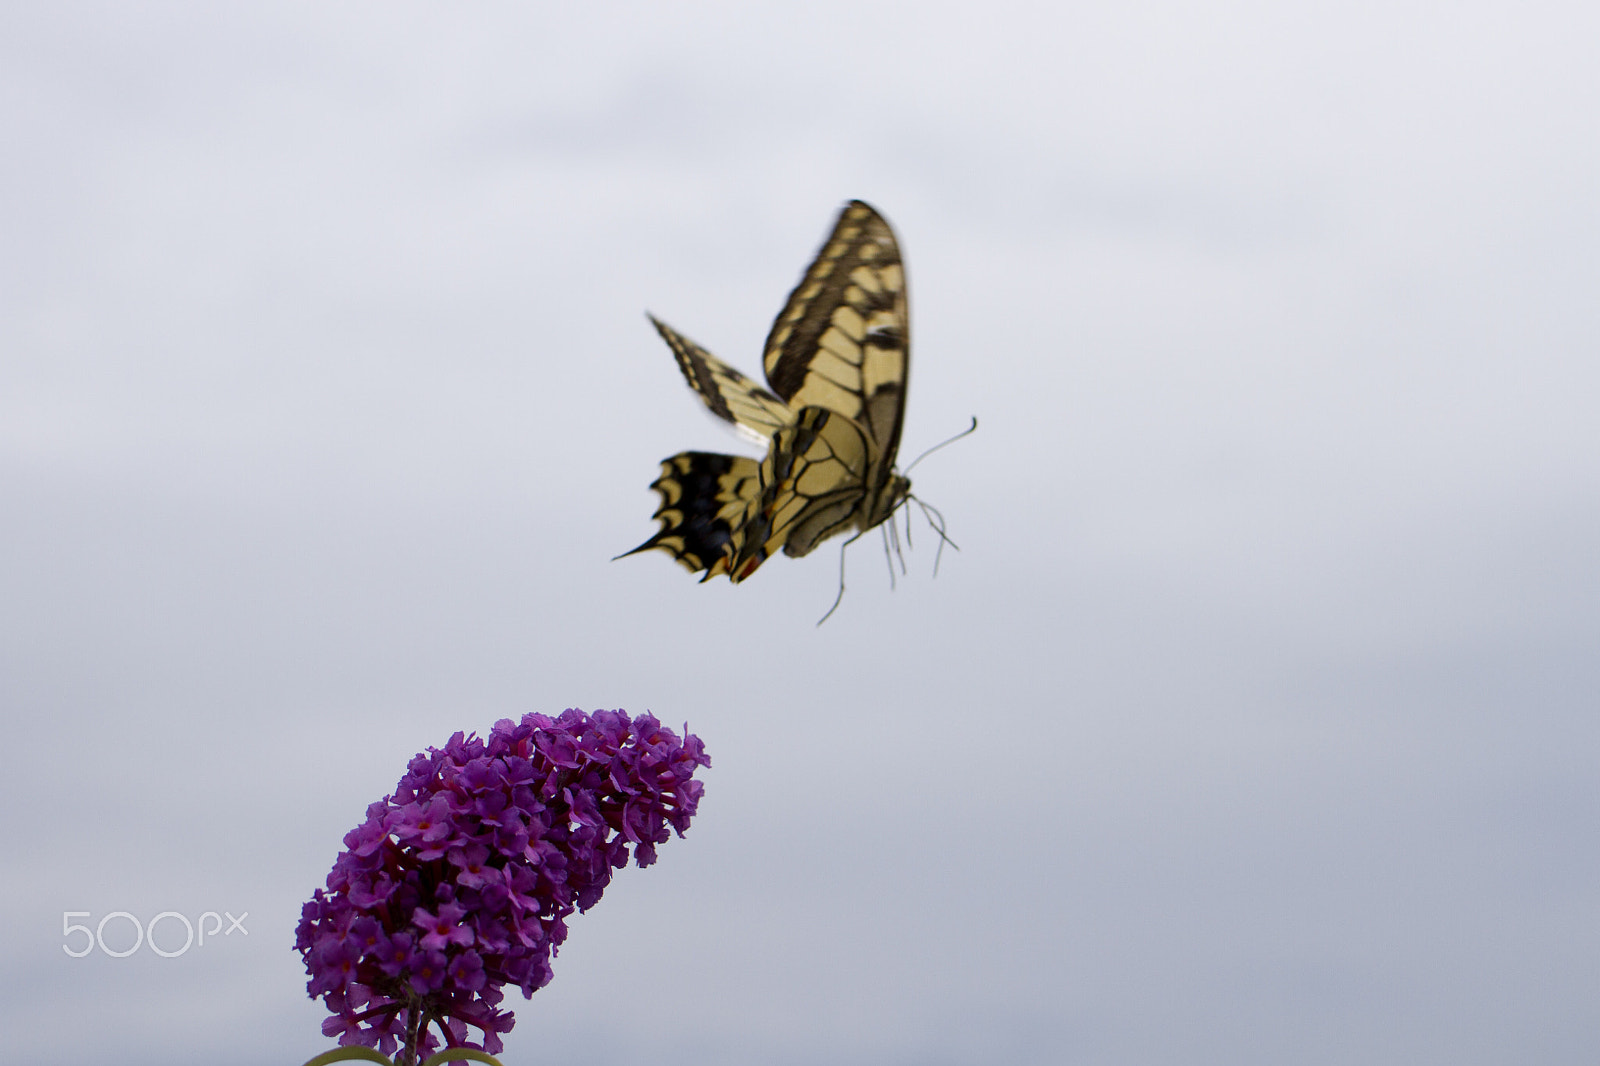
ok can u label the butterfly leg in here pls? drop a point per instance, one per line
(840, 598)
(936, 523)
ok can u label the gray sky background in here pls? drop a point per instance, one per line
(1255, 722)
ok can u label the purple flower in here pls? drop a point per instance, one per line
(461, 882)
(441, 930)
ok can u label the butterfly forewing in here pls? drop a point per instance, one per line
(729, 394)
(841, 341)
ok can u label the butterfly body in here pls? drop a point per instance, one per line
(836, 360)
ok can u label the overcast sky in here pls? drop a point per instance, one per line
(1254, 722)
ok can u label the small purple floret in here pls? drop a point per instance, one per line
(462, 881)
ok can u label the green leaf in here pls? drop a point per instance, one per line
(341, 1054)
(456, 1054)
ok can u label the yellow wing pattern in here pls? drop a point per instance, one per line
(836, 359)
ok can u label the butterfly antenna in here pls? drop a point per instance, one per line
(840, 598)
(966, 432)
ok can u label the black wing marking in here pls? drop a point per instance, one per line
(704, 500)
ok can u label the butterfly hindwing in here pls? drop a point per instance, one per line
(812, 486)
(704, 500)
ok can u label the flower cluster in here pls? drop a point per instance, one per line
(462, 881)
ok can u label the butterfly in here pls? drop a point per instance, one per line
(836, 363)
